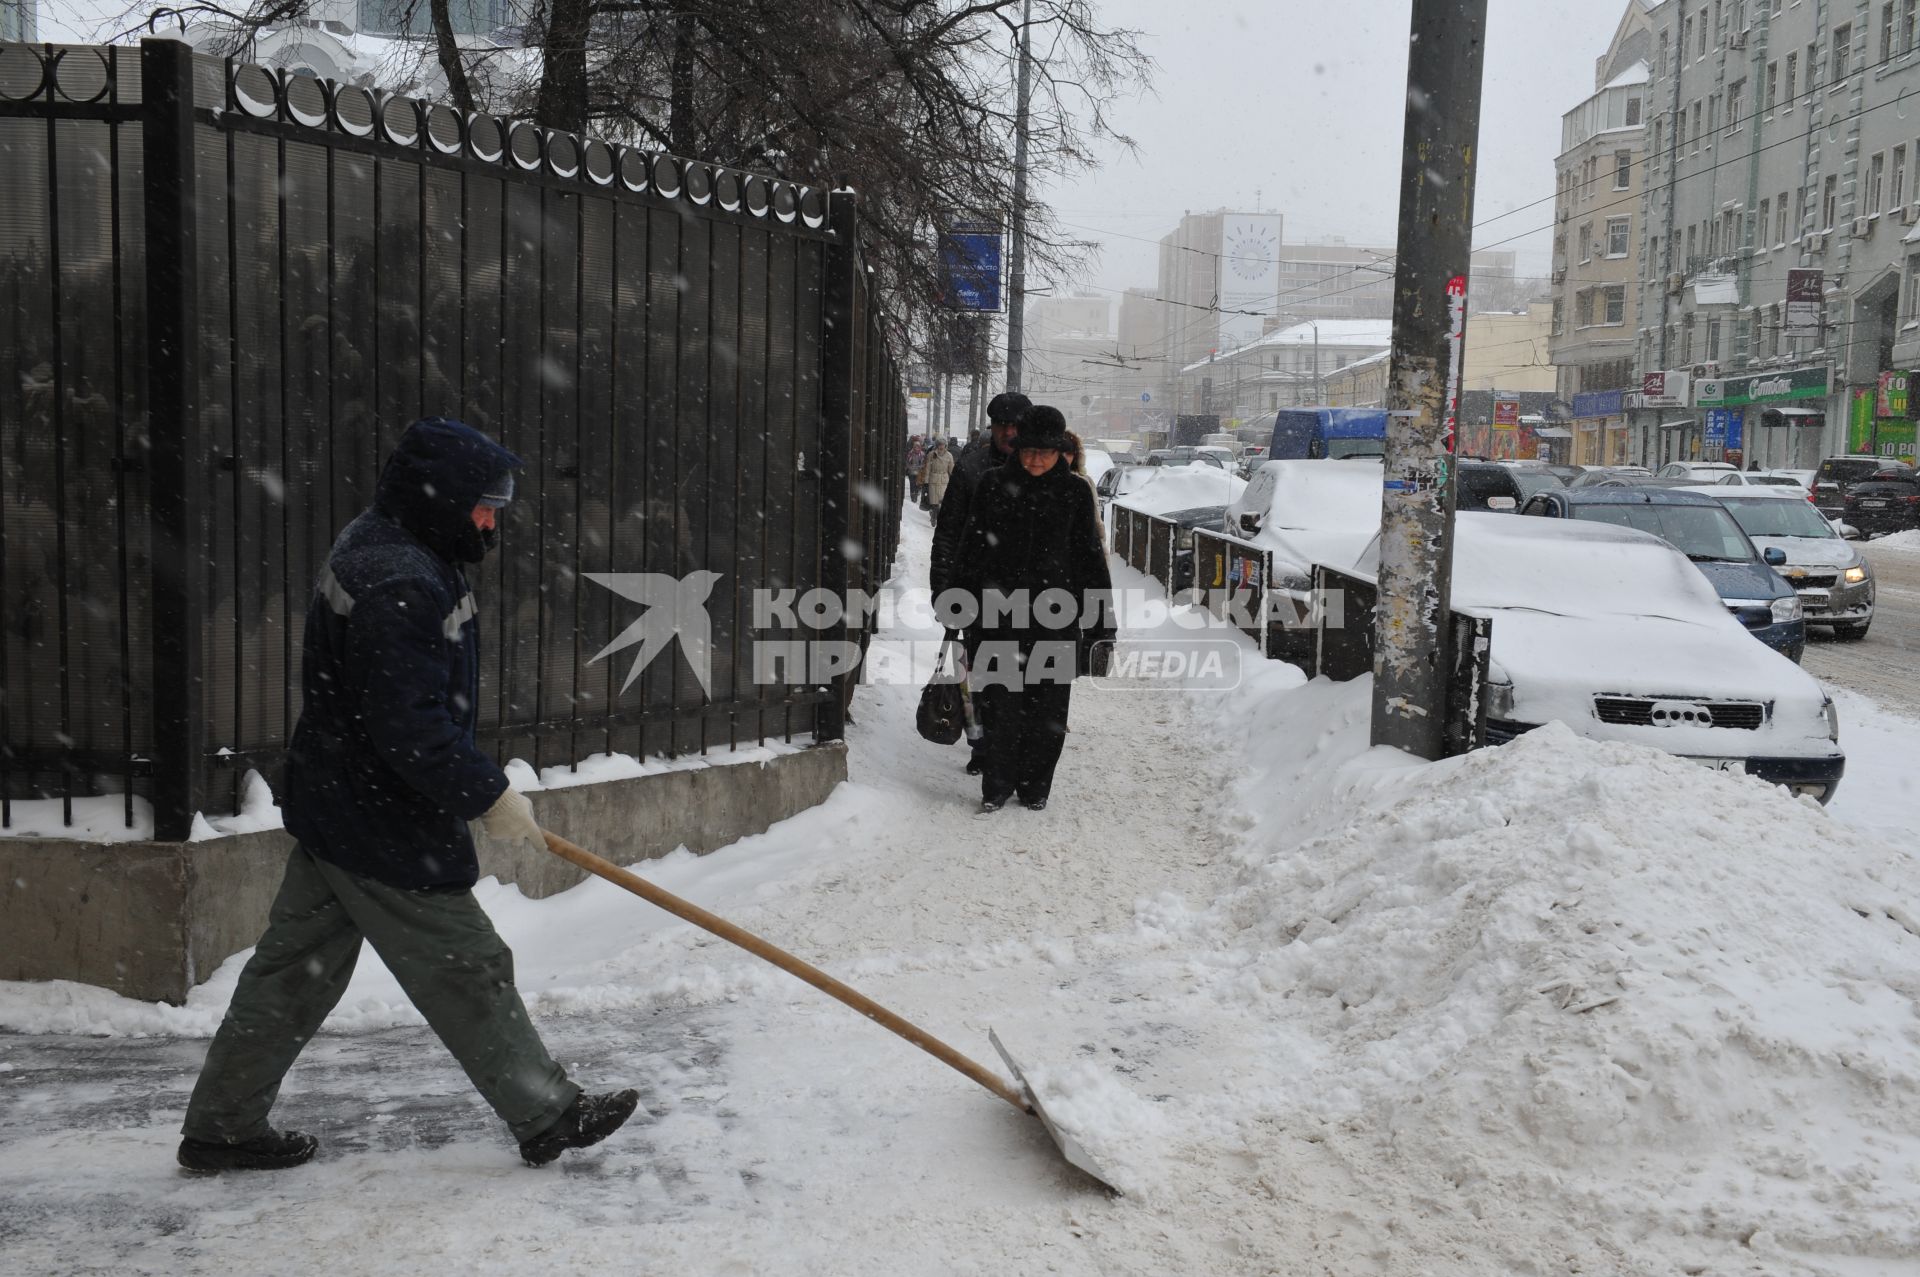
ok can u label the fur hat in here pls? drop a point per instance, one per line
(1042, 426)
(1006, 408)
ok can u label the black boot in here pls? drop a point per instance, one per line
(274, 1151)
(588, 1120)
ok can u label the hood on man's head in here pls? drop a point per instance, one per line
(438, 472)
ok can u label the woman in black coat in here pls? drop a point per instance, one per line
(1034, 561)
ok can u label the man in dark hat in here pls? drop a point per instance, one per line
(383, 775)
(1032, 532)
(956, 507)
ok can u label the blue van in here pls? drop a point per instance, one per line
(1313, 434)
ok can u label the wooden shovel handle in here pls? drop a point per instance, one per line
(785, 961)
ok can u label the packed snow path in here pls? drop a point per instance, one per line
(1553, 1008)
(787, 1134)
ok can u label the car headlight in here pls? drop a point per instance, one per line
(1833, 720)
(1855, 575)
(1787, 609)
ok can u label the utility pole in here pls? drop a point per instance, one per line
(1017, 254)
(1411, 621)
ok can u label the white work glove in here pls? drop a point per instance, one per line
(510, 820)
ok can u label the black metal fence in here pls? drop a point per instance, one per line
(226, 291)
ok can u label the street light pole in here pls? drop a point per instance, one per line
(1017, 256)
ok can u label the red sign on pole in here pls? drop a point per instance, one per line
(1506, 413)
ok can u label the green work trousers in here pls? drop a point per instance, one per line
(440, 946)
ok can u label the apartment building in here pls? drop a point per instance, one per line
(1780, 272)
(1596, 243)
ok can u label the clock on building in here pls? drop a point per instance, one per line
(1251, 250)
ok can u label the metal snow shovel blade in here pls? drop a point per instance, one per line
(1023, 1099)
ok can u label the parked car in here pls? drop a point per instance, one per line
(1888, 501)
(1532, 479)
(1252, 457)
(1185, 457)
(1118, 482)
(1805, 478)
(1834, 581)
(1608, 630)
(1213, 518)
(1838, 474)
(1487, 485)
(1757, 479)
(1097, 461)
(1706, 532)
(1696, 471)
(1565, 474)
(1308, 512)
(1219, 455)
(1592, 476)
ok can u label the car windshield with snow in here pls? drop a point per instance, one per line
(1609, 630)
(1701, 528)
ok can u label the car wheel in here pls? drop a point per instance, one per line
(1851, 633)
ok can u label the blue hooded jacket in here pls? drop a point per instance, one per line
(383, 773)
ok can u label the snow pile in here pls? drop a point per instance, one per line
(1660, 996)
(1907, 542)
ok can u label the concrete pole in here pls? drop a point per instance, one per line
(1410, 662)
(1017, 253)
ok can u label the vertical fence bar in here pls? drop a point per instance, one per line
(837, 349)
(178, 453)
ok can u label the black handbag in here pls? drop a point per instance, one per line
(942, 716)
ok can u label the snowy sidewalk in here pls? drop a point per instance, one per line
(1557, 1007)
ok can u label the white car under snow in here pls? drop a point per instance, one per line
(1614, 633)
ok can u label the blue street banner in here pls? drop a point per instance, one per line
(970, 253)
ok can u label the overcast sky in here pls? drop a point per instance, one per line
(1299, 104)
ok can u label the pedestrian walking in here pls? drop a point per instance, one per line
(383, 775)
(916, 461)
(939, 475)
(993, 449)
(1031, 537)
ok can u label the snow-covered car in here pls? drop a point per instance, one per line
(1805, 478)
(1308, 512)
(1832, 578)
(1696, 471)
(1758, 479)
(1160, 490)
(1098, 461)
(1611, 631)
(1702, 529)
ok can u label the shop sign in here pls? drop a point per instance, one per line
(1805, 303)
(1766, 387)
(1599, 403)
(1506, 414)
(1891, 401)
(1722, 432)
(1664, 389)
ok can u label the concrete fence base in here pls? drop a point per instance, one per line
(152, 919)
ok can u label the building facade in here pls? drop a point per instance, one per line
(1598, 226)
(1780, 276)
(1286, 368)
(19, 19)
